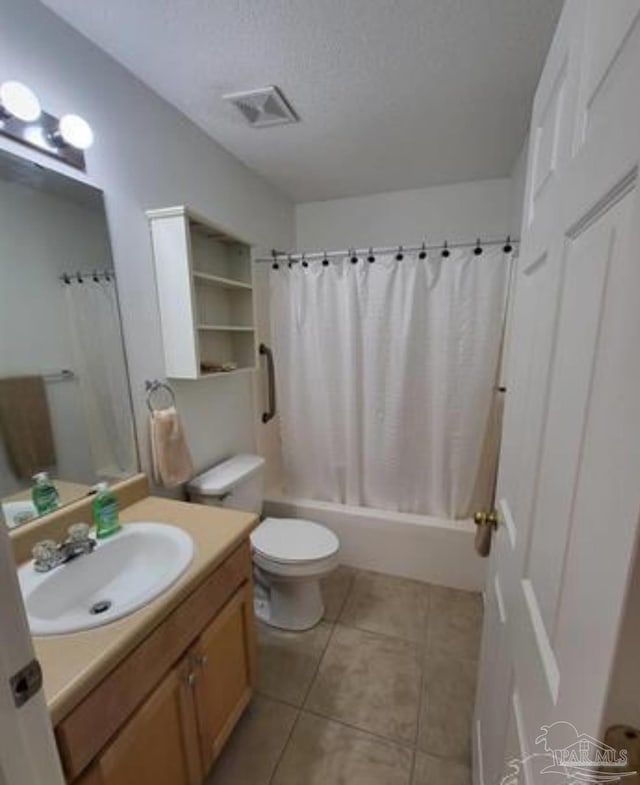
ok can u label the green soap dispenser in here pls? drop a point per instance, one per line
(104, 511)
(44, 494)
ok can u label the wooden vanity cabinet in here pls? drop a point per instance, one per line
(176, 733)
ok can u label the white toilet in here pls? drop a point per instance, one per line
(290, 555)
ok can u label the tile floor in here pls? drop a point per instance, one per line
(381, 692)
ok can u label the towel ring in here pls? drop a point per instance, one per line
(152, 388)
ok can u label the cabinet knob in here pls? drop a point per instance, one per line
(191, 679)
(201, 660)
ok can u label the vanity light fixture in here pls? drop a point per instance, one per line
(18, 100)
(76, 131)
(22, 119)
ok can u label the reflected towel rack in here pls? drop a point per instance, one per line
(59, 376)
(93, 275)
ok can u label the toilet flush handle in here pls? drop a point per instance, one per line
(220, 497)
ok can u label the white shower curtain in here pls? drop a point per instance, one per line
(386, 376)
(102, 374)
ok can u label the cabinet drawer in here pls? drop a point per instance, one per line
(88, 728)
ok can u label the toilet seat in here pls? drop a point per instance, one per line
(294, 542)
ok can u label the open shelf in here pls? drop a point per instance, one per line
(235, 372)
(219, 259)
(222, 306)
(226, 328)
(216, 280)
(218, 347)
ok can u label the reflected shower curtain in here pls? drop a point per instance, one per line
(102, 374)
(386, 376)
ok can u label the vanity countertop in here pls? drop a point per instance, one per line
(74, 664)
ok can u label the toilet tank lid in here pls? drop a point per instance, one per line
(221, 478)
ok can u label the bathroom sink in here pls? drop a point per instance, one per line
(124, 572)
(18, 512)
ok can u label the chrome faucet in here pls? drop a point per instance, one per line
(49, 554)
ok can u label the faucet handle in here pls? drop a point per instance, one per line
(78, 532)
(45, 555)
(43, 549)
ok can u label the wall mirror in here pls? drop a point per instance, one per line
(65, 407)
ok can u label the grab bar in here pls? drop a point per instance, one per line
(271, 384)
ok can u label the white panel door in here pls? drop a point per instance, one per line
(568, 493)
(28, 754)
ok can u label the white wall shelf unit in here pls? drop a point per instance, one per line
(205, 293)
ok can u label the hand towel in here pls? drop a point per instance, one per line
(170, 454)
(25, 424)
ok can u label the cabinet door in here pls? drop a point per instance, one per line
(226, 664)
(159, 744)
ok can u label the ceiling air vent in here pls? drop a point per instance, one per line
(264, 107)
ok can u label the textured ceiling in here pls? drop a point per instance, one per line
(392, 94)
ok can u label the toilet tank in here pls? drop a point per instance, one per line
(236, 483)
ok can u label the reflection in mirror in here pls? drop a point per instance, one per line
(65, 409)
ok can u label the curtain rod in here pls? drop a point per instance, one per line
(295, 257)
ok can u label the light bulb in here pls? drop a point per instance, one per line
(18, 100)
(76, 131)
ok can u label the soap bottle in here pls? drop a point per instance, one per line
(44, 493)
(104, 511)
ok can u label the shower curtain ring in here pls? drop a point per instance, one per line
(423, 252)
(325, 261)
(446, 253)
(354, 258)
(507, 246)
(305, 263)
(371, 258)
(289, 261)
(399, 255)
(478, 249)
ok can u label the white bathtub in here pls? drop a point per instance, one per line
(436, 550)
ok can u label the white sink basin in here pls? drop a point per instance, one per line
(18, 512)
(125, 572)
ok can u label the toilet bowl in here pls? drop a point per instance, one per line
(290, 555)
